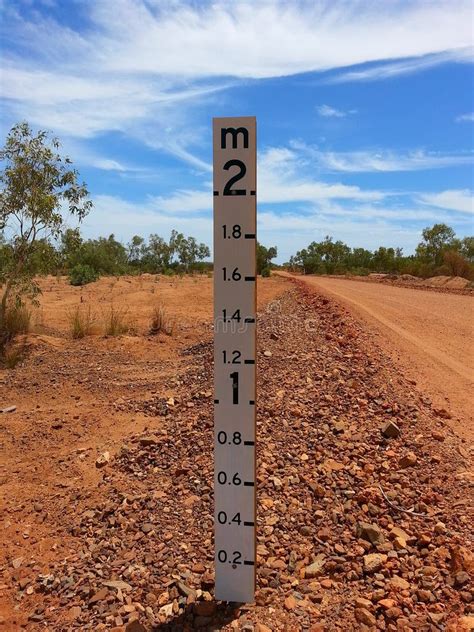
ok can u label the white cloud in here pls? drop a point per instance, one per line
(330, 112)
(141, 61)
(460, 200)
(378, 160)
(465, 117)
(405, 67)
(112, 214)
(281, 179)
(201, 40)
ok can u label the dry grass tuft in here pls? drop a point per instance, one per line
(116, 322)
(81, 321)
(160, 322)
(13, 355)
(15, 321)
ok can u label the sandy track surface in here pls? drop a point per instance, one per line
(430, 334)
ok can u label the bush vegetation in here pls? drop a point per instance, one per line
(81, 274)
(439, 253)
(116, 321)
(37, 187)
(160, 322)
(81, 321)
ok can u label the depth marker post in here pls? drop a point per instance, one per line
(235, 235)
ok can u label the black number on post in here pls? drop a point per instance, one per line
(236, 231)
(222, 479)
(235, 387)
(222, 557)
(236, 355)
(235, 316)
(222, 518)
(235, 276)
(236, 438)
(243, 170)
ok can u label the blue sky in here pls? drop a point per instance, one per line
(364, 109)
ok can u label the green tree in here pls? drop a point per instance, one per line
(135, 250)
(71, 242)
(37, 186)
(436, 240)
(264, 257)
(467, 248)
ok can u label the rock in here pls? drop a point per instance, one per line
(400, 538)
(390, 430)
(398, 583)
(373, 562)
(267, 354)
(316, 568)
(317, 489)
(361, 602)
(369, 532)
(99, 596)
(425, 595)
(187, 591)
(103, 459)
(408, 460)
(461, 578)
(149, 440)
(440, 528)
(74, 613)
(364, 616)
(167, 610)
(439, 436)
(147, 527)
(205, 608)
(117, 583)
(17, 562)
(466, 624)
(394, 613)
(261, 627)
(9, 409)
(290, 603)
(198, 568)
(443, 413)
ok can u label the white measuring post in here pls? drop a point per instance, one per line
(235, 235)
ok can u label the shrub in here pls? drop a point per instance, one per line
(80, 322)
(116, 322)
(266, 272)
(160, 322)
(359, 272)
(457, 265)
(12, 355)
(81, 274)
(15, 320)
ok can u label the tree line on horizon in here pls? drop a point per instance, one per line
(439, 252)
(85, 260)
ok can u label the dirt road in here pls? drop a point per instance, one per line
(430, 334)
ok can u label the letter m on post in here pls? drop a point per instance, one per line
(235, 136)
